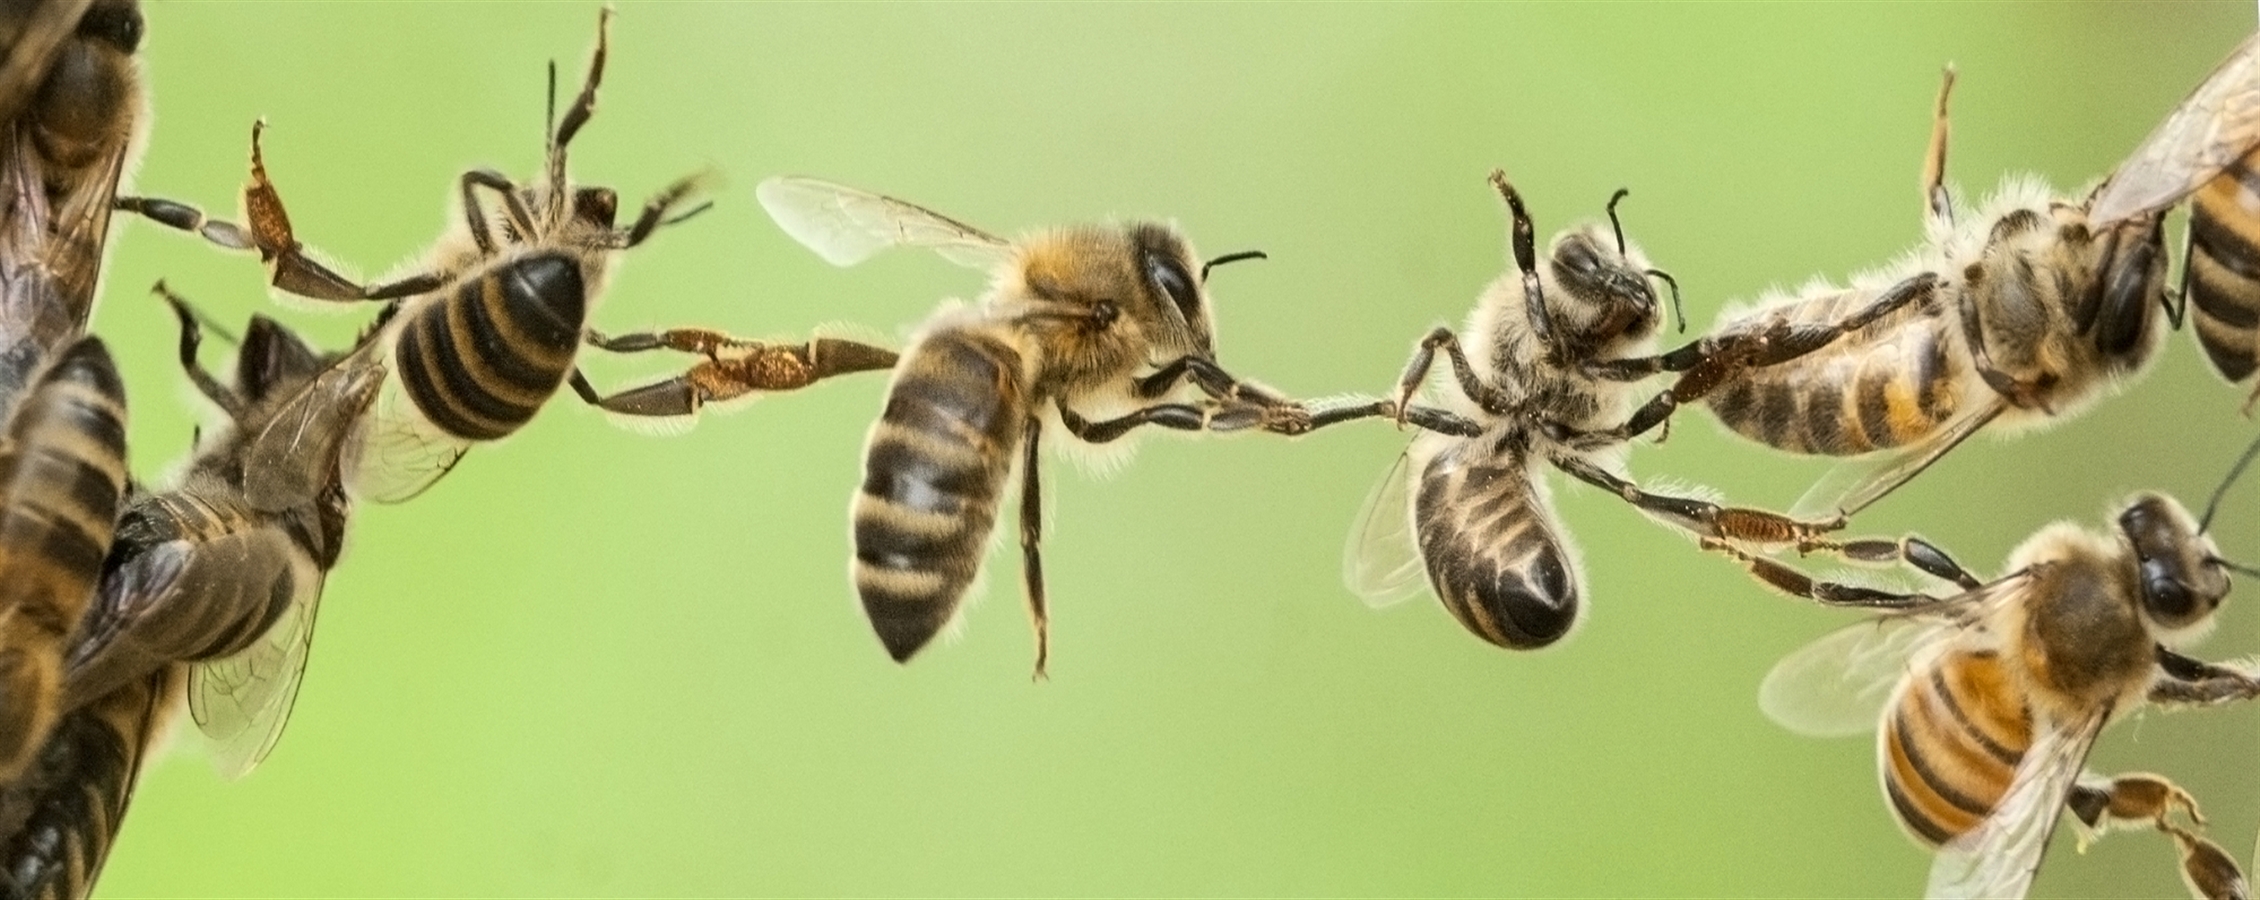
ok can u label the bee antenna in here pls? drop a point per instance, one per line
(1678, 313)
(549, 116)
(1230, 258)
(1614, 199)
(2213, 504)
(2240, 569)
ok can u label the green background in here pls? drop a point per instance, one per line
(596, 662)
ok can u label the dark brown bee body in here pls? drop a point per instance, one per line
(62, 817)
(61, 480)
(1492, 549)
(484, 358)
(2221, 275)
(934, 469)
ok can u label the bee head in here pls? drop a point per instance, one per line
(89, 92)
(2183, 579)
(1145, 273)
(1600, 294)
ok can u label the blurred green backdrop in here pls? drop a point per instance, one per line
(598, 663)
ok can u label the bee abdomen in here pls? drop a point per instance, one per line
(932, 472)
(1895, 391)
(1492, 555)
(63, 477)
(2224, 274)
(73, 804)
(1952, 744)
(484, 358)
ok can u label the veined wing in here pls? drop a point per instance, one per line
(399, 453)
(1838, 686)
(1858, 484)
(296, 454)
(847, 226)
(242, 701)
(1998, 858)
(1382, 562)
(2217, 125)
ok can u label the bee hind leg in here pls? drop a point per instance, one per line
(1730, 524)
(733, 368)
(1031, 542)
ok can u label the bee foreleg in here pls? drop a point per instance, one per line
(655, 212)
(475, 217)
(2022, 394)
(1525, 246)
(1176, 416)
(1489, 398)
(1032, 538)
(2188, 681)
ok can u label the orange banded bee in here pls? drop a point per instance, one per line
(2020, 313)
(1095, 330)
(2208, 151)
(1466, 505)
(1986, 702)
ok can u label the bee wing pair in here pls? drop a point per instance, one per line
(1854, 486)
(846, 226)
(2216, 126)
(1382, 564)
(1842, 684)
(388, 454)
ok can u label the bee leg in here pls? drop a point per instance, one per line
(1733, 524)
(474, 215)
(2208, 872)
(1935, 198)
(1239, 399)
(2021, 394)
(1789, 581)
(733, 368)
(1488, 398)
(1913, 551)
(655, 212)
(2138, 797)
(1032, 538)
(2187, 681)
(1175, 416)
(1525, 246)
(191, 338)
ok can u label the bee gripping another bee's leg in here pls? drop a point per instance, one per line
(1787, 580)
(290, 269)
(733, 368)
(1707, 520)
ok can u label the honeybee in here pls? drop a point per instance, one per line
(71, 115)
(1986, 702)
(62, 474)
(2205, 151)
(58, 821)
(1091, 329)
(479, 339)
(2017, 315)
(1480, 519)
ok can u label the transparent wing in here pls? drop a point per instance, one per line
(242, 701)
(1999, 857)
(1382, 562)
(399, 453)
(2216, 126)
(1858, 484)
(1839, 685)
(847, 226)
(295, 455)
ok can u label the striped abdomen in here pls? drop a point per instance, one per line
(62, 818)
(2223, 269)
(1888, 385)
(62, 479)
(482, 357)
(1492, 555)
(193, 578)
(1951, 743)
(933, 468)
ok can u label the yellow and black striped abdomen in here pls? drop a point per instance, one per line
(1951, 743)
(2223, 270)
(1873, 389)
(1491, 551)
(482, 358)
(64, 816)
(61, 482)
(933, 469)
